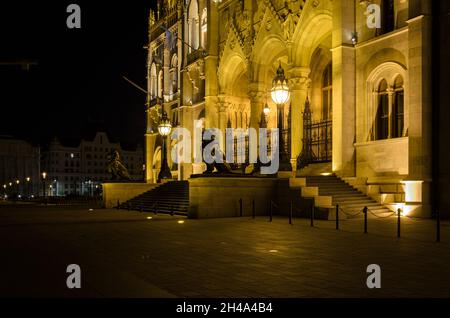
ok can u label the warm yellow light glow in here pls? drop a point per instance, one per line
(149, 218)
(164, 127)
(280, 93)
(326, 174)
(273, 251)
(180, 222)
(44, 175)
(280, 88)
(28, 179)
(10, 184)
(17, 181)
(4, 186)
(413, 191)
(266, 110)
(91, 210)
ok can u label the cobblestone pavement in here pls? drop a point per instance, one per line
(124, 254)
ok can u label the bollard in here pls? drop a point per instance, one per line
(399, 214)
(253, 209)
(312, 215)
(118, 204)
(365, 219)
(270, 211)
(290, 213)
(438, 226)
(337, 216)
(240, 207)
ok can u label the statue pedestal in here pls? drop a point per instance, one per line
(120, 191)
(218, 196)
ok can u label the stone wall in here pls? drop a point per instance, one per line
(213, 197)
(121, 192)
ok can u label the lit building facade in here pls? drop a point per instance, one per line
(368, 88)
(81, 169)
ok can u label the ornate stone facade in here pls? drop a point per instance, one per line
(214, 61)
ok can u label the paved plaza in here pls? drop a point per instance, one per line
(126, 254)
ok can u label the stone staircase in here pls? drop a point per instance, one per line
(170, 198)
(330, 190)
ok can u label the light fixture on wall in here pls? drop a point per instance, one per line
(354, 38)
(280, 89)
(266, 110)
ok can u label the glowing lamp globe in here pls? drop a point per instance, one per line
(165, 127)
(266, 110)
(280, 88)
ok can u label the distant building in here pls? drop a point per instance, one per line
(19, 168)
(81, 168)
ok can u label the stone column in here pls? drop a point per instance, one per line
(166, 72)
(420, 108)
(344, 95)
(390, 92)
(257, 99)
(299, 83)
(211, 65)
(222, 112)
(150, 141)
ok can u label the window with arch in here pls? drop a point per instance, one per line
(382, 118)
(193, 26)
(387, 103)
(174, 74)
(327, 93)
(204, 30)
(160, 84)
(398, 108)
(153, 81)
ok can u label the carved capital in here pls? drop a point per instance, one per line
(299, 83)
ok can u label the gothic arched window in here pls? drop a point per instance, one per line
(398, 108)
(193, 25)
(160, 84)
(327, 93)
(174, 74)
(153, 81)
(204, 28)
(382, 119)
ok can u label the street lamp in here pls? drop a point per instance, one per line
(280, 95)
(44, 176)
(28, 187)
(164, 128)
(18, 188)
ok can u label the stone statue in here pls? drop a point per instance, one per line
(117, 168)
(222, 168)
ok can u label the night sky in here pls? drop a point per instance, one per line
(78, 82)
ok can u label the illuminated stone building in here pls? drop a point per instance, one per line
(79, 168)
(369, 88)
